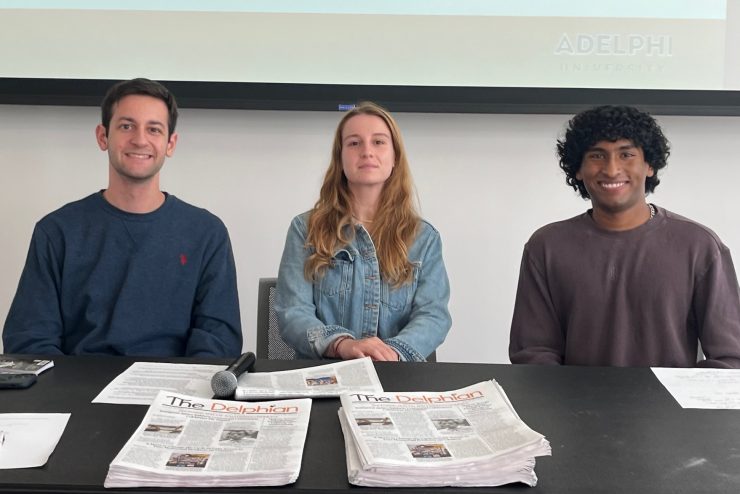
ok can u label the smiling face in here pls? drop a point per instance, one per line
(137, 140)
(614, 175)
(367, 151)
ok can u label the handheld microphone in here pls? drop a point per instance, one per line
(223, 383)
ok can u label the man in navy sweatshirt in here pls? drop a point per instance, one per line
(129, 270)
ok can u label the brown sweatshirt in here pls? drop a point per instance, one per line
(642, 297)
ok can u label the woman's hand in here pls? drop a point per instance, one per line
(373, 347)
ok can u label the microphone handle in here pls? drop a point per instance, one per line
(242, 364)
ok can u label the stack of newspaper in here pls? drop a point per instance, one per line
(186, 441)
(468, 437)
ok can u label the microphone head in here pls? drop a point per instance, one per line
(223, 384)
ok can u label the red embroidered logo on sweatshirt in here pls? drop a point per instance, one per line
(183, 259)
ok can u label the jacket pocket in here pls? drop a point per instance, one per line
(397, 299)
(338, 275)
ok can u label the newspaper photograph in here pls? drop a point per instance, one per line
(187, 441)
(323, 381)
(401, 439)
(13, 365)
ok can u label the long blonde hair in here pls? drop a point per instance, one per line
(396, 221)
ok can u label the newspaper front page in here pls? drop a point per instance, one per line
(187, 441)
(323, 381)
(467, 437)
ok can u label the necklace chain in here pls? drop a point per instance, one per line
(362, 221)
(653, 212)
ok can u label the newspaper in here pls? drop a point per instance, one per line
(140, 383)
(187, 441)
(322, 381)
(12, 365)
(467, 437)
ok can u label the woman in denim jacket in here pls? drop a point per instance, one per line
(362, 274)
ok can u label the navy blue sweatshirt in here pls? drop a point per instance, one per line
(99, 280)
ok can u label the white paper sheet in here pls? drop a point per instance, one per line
(29, 438)
(140, 383)
(702, 388)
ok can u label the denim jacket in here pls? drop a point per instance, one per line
(352, 299)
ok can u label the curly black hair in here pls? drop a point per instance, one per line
(611, 123)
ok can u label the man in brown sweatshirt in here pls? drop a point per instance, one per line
(626, 283)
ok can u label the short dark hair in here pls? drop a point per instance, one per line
(612, 123)
(140, 86)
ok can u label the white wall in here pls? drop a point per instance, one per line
(485, 181)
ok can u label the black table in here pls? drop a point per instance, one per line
(611, 429)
